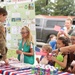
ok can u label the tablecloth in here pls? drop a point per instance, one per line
(7, 70)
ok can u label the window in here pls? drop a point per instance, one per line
(61, 23)
(37, 22)
(51, 23)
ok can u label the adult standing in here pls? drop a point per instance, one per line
(68, 25)
(67, 29)
(3, 48)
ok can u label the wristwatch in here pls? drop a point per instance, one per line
(58, 49)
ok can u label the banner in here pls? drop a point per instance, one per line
(19, 14)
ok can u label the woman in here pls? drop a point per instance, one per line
(67, 30)
(25, 47)
(68, 25)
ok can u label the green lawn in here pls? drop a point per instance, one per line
(11, 53)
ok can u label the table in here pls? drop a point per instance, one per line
(7, 70)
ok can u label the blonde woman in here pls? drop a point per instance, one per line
(26, 47)
(67, 29)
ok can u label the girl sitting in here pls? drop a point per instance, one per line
(61, 59)
(44, 59)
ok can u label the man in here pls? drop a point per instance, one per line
(3, 49)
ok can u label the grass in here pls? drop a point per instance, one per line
(11, 53)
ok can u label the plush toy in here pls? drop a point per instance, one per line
(59, 58)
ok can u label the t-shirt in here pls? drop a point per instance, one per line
(53, 44)
(70, 31)
(43, 60)
(26, 48)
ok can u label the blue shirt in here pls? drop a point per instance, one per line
(53, 44)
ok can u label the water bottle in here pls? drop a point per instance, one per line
(22, 58)
(55, 71)
(42, 71)
(51, 71)
(47, 70)
(33, 70)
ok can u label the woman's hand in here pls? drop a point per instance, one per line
(19, 52)
(73, 70)
(59, 33)
(55, 51)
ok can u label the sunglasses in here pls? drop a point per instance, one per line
(23, 32)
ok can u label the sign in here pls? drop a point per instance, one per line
(19, 14)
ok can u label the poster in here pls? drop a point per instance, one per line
(19, 14)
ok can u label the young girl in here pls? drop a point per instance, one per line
(25, 47)
(51, 37)
(61, 61)
(44, 59)
(52, 41)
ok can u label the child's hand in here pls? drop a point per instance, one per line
(37, 59)
(51, 58)
(55, 51)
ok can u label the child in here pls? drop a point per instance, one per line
(52, 41)
(51, 37)
(3, 49)
(60, 60)
(25, 46)
(44, 59)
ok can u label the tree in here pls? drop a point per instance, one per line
(59, 7)
(43, 7)
(40, 7)
(64, 7)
